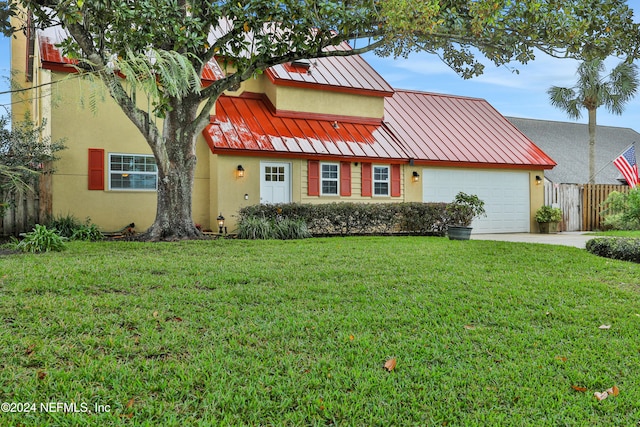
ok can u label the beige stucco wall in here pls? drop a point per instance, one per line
(228, 196)
(107, 128)
(287, 98)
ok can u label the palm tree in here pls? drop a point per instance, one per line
(593, 91)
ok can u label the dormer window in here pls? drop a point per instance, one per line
(299, 66)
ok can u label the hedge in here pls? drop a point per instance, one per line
(622, 248)
(347, 218)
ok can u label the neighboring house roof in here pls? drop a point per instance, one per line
(453, 130)
(248, 125)
(568, 144)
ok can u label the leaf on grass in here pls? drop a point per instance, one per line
(601, 396)
(604, 327)
(469, 327)
(42, 375)
(155, 314)
(351, 337)
(174, 319)
(613, 391)
(561, 358)
(578, 388)
(130, 403)
(30, 349)
(390, 365)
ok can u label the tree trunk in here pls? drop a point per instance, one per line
(592, 146)
(176, 158)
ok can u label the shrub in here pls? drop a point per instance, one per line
(254, 228)
(346, 218)
(464, 208)
(261, 228)
(65, 225)
(548, 214)
(621, 211)
(87, 232)
(288, 229)
(41, 239)
(622, 248)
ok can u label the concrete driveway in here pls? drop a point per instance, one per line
(567, 238)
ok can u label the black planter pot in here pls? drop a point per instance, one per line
(459, 233)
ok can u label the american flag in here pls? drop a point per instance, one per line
(626, 163)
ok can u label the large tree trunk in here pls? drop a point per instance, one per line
(592, 146)
(176, 157)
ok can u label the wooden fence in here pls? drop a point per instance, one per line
(568, 198)
(27, 209)
(580, 204)
(592, 197)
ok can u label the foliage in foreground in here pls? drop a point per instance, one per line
(24, 155)
(236, 332)
(622, 248)
(41, 239)
(621, 211)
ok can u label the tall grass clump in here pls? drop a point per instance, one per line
(41, 239)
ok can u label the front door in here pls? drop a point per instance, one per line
(275, 182)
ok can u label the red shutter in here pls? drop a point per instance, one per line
(96, 169)
(395, 181)
(366, 179)
(345, 178)
(313, 174)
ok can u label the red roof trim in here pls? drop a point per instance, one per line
(457, 164)
(285, 155)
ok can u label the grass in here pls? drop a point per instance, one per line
(619, 233)
(297, 333)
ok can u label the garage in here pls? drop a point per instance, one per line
(505, 193)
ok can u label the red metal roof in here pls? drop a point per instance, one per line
(338, 73)
(453, 130)
(52, 58)
(248, 125)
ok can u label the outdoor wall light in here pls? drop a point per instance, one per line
(240, 171)
(221, 227)
(415, 177)
(538, 180)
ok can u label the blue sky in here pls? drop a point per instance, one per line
(519, 95)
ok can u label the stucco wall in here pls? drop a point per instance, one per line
(107, 128)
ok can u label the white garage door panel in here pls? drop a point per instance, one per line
(505, 193)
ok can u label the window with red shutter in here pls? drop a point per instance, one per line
(313, 175)
(396, 187)
(345, 178)
(366, 179)
(96, 169)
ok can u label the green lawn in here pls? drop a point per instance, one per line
(297, 332)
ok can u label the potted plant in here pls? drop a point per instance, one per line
(461, 212)
(548, 218)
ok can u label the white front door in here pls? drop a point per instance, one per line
(275, 182)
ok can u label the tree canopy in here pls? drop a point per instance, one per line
(166, 44)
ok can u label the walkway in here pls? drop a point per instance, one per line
(567, 238)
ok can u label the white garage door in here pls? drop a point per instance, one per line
(505, 193)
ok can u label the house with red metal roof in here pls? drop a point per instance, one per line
(319, 131)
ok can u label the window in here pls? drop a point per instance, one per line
(381, 180)
(274, 173)
(132, 172)
(329, 179)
